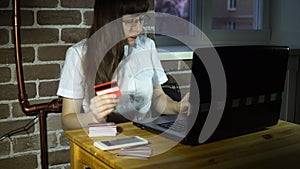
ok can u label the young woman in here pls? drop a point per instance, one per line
(115, 50)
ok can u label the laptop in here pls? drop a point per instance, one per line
(239, 93)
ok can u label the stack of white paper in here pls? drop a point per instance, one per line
(143, 151)
(102, 129)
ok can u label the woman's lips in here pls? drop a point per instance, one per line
(133, 37)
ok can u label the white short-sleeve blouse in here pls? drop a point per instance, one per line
(137, 73)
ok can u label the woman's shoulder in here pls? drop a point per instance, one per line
(79, 45)
(76, 49)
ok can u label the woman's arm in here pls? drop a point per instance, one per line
(100, 107)
(164, 104)
(71, 112)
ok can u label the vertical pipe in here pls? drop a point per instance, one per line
(18, 53)
(40, 109)
(29, 110)
(43, 139)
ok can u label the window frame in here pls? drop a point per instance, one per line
(203, 19)
(231, 5)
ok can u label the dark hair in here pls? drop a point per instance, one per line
(106, 11)
(134, 6)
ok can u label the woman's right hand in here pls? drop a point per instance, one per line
(103, 105)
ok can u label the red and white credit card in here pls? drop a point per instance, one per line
(108, 88)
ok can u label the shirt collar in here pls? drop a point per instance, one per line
(138, 44)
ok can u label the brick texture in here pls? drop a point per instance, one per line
(37, 36)
(7, 55)
(185, 65)
(64, 141)
(59, 17)
(59, 157)
(49, 71)
(88, 18)
(5, 148)
(170, 65)
(39, 4)
(5, 74)
(73, 35)
(54, 122)
(11, 125)
(77, 3)
(4, 3)
(48, 53)
(17, 111)
(46, 33)
(10, 92)
(27, 18)
(29, 143)
(48, 88)
(4, 111)
(4, 36)
(25, 161)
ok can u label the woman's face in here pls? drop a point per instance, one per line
(132, 26)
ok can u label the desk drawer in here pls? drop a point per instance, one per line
(83, 158)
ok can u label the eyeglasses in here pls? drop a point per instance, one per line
(131, 22)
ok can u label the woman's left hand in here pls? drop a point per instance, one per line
(184, 103)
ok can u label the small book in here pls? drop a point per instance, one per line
(120, 143)
(102, 129)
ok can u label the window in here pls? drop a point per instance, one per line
(231, 5)
(174, 16)
(223, 22)
(180, 8)
(231, 25)
(183, 17)
(248, 24)
(244, 15)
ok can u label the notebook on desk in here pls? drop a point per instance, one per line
(254, 84)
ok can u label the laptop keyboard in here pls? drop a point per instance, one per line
(177, 125)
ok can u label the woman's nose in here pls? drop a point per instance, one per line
(138, 27)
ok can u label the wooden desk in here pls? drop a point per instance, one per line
(277, 147)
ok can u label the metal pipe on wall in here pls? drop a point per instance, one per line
(23, 99)
(31, 110)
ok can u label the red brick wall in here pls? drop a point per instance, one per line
(48, 28)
